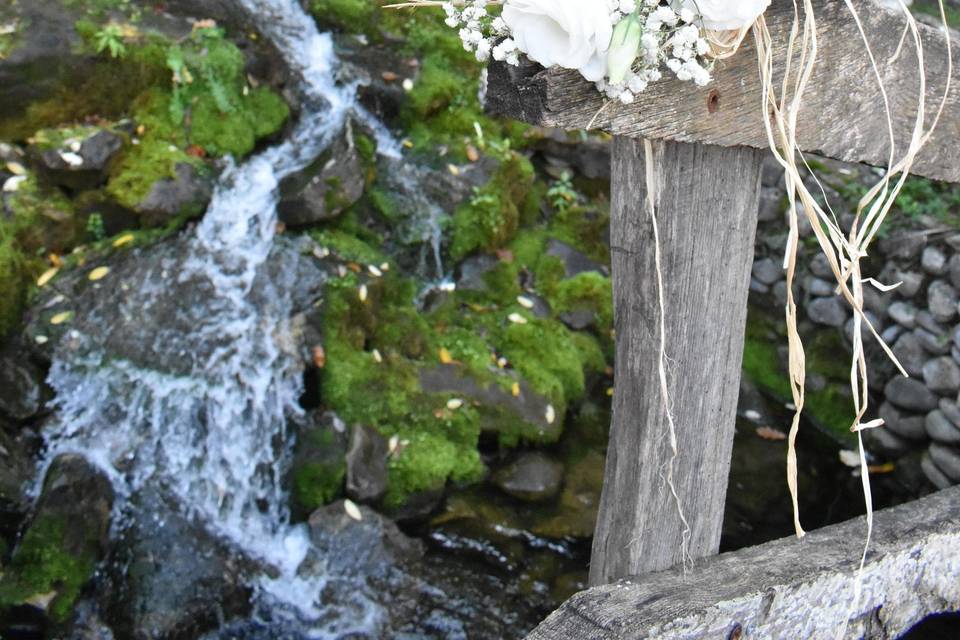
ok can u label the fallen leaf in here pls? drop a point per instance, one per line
(374, 271)
(516, 318)
(353, 266)
(126, 238)
(319, 356)
(472, 154)
(453, 169)
(362, 293)
(60, 318)
(389, 76)
(41, 600)
(849, 458)
(47, 276)
(16, 168)
(454, 403)
(376, 356)
(11, 185)
(98, 274)
(445, 356)
(769, 433)
(525, 302)
(352, 510)
(887, 467)
(504, 255)
(196, 151)
(550, 414)
(515, 389)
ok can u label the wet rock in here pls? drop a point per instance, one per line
(830, 312)
(818, 287)
(187, 192)
(324, 189)
(767, 271)
(21, 387)
(170, 578)
(61, 547)
(939, 428)
(942, 375)
(574, 261)
(942, 301)
(947, 460)
(934, 261)
(910, 283)
(529, 406)
(472, 271)
(933, 473)
(85, 168)
(533, 477)
(366, 464)
(904, 314)
(579, 500)
(937, 344)
(909, 393)
(319, 461)
(905, 425)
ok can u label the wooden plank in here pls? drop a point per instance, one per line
(789, 588)
(843, 115)
(707, 209)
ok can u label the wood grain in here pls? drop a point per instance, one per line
(707, 210)
(842, 118)
(789, 588)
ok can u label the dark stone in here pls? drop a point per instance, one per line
(951, 410)
(905, 425)
(417, 506)
(890, 334)
(186, 192)
(830, 312)
(771, 204)
(473, 269)
(890, 443)
(534, 477)
(925, 320)
(320, 452)
(935, 344)
(909, 393)
(574, 261)
(767, 271)
(939, 428)
(21, 387)
(942, 375)
(820, 266)
(366, 464)
(904, 314)
(876, 301)
(933, 473)
(942, 301)
(772, 174)
(579, 320)
(16, 471)
(910, 283)
(170, 578)
(934, 261)
(589, 157)
(96, 152)
(947, 460)
(325, 188)
(954, 270)
(818, 287)
(905, 245)
(758, 287)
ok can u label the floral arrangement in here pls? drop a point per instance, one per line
(620, 45)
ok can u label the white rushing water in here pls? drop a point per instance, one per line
(202, 413)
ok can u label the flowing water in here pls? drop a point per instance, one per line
(198, 401)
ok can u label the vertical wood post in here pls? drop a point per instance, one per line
(707, 205)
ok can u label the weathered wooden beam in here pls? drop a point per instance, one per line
(843, 115)
(707, 202)
(789, 588)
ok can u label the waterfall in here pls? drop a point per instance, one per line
(199, 401)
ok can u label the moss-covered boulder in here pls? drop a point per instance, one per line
(319, 465)
(63, 543)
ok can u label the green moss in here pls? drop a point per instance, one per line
(40, 565)
(354, 16)
(316, 484)
(588, 290)
(13, 283)
(347, 246)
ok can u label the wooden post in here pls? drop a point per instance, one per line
(707, 211)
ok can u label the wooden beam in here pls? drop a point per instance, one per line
(842, 118)
(789, 588)
(707, 204)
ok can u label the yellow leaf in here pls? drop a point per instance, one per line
(352, 510)
(60, 318)
(98, 274)
(515, 389)
(445, 356)
(47, 276)
(16, 168)
(126, 238)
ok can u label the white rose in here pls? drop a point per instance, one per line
(573, 34)
(724, 15)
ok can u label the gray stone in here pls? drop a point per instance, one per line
(925, 320)
(865, 333)
(933, 473)
(956, 336)
(910, 283)
(942, 301)
(940, 428)
(758, 287)
(955, 353)
(533, 477)
(910, 353)
(579, 319)
(954, 270)
(904, 314)
(21, 387)
(830, 312)
(890, 334)
(186, 192)
(321, 445)
(772, 174)
(909, 393)
(903, 244)
(947, 460)
(876, 301)
(818, 287)
(472, 271)
(767, 271)
(820, 266)
(771, 204)
(935, 344)
(953, 241)
(366, 464)
(942, 375)
(905, 425)
(934, 261)
(16, 472)
(951, 410)
(574, 261)
(890, 443)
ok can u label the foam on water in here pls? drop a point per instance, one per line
(211, 429)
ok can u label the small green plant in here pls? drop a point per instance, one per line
(202, 64)
(110, 38)
(95, 229)
(561, 193)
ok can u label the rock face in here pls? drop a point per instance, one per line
(186, 192)
(60, 549)
(21, 387)
(81, 165)
(319, 465)
(366, 464)
(532, 477)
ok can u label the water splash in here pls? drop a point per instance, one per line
(195, 399)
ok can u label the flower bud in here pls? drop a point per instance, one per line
(624, 47)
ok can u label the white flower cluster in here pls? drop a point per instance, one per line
(621, 45)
